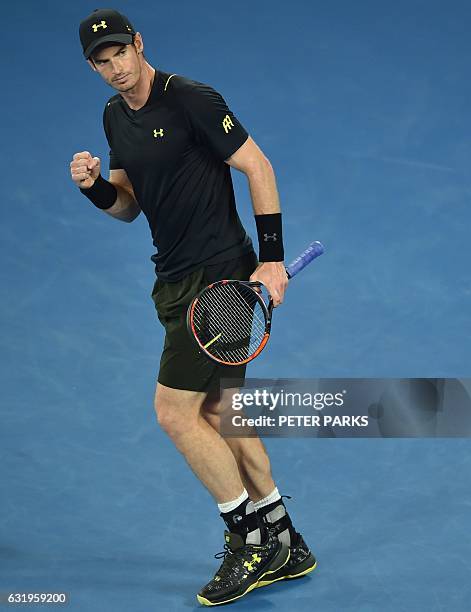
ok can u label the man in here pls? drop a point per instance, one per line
(172, 143)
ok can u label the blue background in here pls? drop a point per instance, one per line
(363, 110)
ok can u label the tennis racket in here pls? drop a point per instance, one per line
(231, 321)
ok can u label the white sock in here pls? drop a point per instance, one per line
(232, 505)
(269, 499)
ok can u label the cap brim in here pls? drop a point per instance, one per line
(125, 39)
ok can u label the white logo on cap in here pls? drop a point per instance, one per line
(102, 24)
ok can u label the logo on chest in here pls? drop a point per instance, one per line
(159, 133)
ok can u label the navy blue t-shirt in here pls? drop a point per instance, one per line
(173, 151)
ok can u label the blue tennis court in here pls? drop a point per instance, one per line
(363, 110)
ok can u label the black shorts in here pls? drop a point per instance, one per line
(182, 365)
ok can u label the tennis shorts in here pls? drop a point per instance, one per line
(183, 365)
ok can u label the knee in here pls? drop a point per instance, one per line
(168, 418)
(173, 417)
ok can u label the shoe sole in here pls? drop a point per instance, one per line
(262, 583)
(205, 602)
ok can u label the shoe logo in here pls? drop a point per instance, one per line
(159, 133)
(250, 564)
(236, 519)
(227, 124)
(102, 24)
(267, 237)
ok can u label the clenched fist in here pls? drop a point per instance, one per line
(84, 169)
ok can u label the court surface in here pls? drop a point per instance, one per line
(363, 110)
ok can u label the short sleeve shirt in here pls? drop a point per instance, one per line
(173, 151)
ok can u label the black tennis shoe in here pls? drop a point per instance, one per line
(301, 561)
(243, 566)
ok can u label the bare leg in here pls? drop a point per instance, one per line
(249, 452)
(206, 452)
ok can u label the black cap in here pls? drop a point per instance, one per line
(105, 26)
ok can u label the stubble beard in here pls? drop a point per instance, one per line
(125, 88)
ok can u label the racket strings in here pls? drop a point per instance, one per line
(226, 306)
(219, 347)
(247, 322)
(212, 315)
(247, 308)
(250, 301)
(221, 320)
(210, 330)
(209, 320)
(229, 322)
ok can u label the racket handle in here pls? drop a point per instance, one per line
(313, 250)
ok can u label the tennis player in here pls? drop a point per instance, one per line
(172, 142)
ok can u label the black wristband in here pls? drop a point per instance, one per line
(102, 193)
(270, 237)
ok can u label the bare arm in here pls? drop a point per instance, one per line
(250, 160)
(125, 208)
